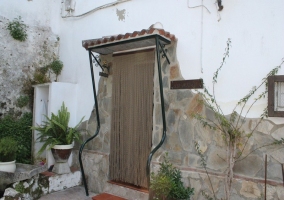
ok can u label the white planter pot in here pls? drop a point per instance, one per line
(61, 154)
(67, 146)
(8, 166)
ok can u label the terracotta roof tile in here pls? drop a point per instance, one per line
(144, 32)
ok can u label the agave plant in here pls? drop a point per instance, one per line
(55, 130)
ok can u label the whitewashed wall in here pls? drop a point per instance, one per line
(256, 28)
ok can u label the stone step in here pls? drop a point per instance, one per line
(126, 191)
(43, 184)
(58, 182)
(105, 196)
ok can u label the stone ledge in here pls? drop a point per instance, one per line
(45, 183)
(222, 175)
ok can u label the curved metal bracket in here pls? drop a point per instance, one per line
(103, 65)
(158, 44)
(98, 125)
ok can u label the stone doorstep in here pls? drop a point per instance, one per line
(58, 182)
(124, 191)
(105, 196)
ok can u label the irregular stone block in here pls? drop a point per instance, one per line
(249, 166)
(250, 190)
(278, 134)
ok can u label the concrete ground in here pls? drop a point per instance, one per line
(74, 193)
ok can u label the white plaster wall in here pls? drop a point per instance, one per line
(33, 13)
(256, 28)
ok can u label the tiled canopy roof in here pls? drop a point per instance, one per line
(116, 40)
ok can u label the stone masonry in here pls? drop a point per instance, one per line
(182, 132)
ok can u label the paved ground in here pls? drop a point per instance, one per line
(75, 193)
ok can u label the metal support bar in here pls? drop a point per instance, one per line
(265, 176)
(162, 107)
(282, 166)
(98, 124)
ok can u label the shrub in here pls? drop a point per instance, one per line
(167, 184)
(19, 130)
(8, 149)
(56, 66)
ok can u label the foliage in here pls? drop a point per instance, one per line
(55, 130)
(40, 76)
(22, 101)
(167, 182)
(19, 130)
(231, 127)
(8, 149)
(56, 66)
(18, 30)
(20, 188)
(28, 90)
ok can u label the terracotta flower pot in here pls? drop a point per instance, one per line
(61, 153)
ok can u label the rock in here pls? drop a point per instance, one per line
(165, 82)
(278, 133)
(265, 127)
(184, 94)
(186, 134)
(217, 159)
(250, 190)
(195, 106)
(249, 166)
(12, 194)
(174, 72)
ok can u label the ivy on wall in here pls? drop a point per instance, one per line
(19, 129)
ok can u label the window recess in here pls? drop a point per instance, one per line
(276, 96)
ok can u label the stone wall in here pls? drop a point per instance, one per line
(182, 132)
(18, 61)
(42, 184)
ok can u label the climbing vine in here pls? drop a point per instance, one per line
(231, 127)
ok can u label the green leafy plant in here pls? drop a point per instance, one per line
(19, 130)
(8, 149)
(42, 74)
(231, 127)
(18, 30)
(56, 66)
(55, 130)
(40, 78)
(22, 101)
(167, 184)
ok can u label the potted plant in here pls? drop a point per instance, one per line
(59, 137)
(8, 150)
(167, 184)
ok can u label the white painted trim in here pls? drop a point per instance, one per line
(67, 146)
